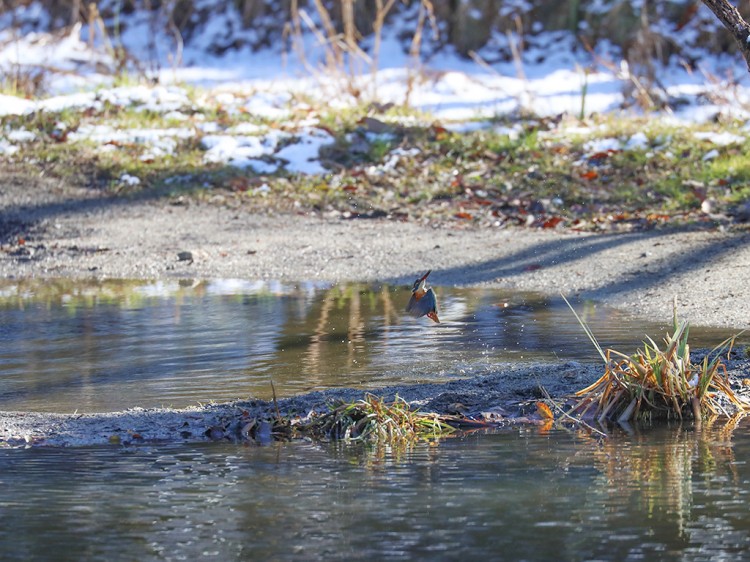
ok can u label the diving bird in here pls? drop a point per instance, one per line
(423, 300)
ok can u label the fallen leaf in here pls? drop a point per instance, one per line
(552, 222)
(544, 411)
(590, 175)
(546, 427)
(603, 154)
(239, 184)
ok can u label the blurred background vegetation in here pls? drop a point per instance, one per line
(641, 29)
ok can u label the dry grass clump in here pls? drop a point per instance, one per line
(373, 419)
(661, 382)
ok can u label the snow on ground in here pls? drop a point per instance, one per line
(459, 93)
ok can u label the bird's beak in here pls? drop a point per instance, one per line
(425, 276)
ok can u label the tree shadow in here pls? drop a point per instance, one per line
(569, 251)
(22, 215)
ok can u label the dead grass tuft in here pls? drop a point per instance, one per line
(661, 382)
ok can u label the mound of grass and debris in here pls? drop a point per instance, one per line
(388, 162)
(661, 382)
(371, 419)
(376, 420)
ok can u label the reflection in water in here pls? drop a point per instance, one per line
(666, 472)
(98, 346)
(668, 493)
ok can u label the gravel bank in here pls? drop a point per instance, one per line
(71, 232)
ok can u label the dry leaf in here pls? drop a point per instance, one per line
(544, 411)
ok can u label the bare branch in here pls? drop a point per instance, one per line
(730, 18)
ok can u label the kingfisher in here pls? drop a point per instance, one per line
(423, 300)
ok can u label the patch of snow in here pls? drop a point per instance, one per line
(511, 132)
(602, 145)
(7, 148)
(468, 126)
(247, 129)
(82, 100)
(159, 99)
(406, 151)
(159, 142)
(21, 135)
(710, 155)
(12, 105)
(262, 167)
(638, 141)
(176, 116)
(241, 151)
(268, 105)
(302, 156)
(394, 157)
(208, 127)
(720, 139)
(226, 148)
(68, 54)
(127, 179)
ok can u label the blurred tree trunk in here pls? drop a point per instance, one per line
(730, 18)
(251, 9)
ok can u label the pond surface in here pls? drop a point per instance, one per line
(668, 493)
(103, 346)
(663, 494)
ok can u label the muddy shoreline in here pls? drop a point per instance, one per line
(497, 396)
(51, 230)
(505, 398)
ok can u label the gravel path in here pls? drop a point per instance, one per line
(72, 232)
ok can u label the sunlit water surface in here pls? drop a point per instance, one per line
(101, 346)
(518, 494)
(667, 493)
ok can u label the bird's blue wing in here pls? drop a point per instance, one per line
(425, 305)
(413, 307)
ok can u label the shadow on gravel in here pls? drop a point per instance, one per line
(27, 204)
(548, 255)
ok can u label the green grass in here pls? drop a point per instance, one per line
(373, 419)
(542, 175)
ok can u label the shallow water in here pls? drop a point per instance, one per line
(666, 494)
(100, 346)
